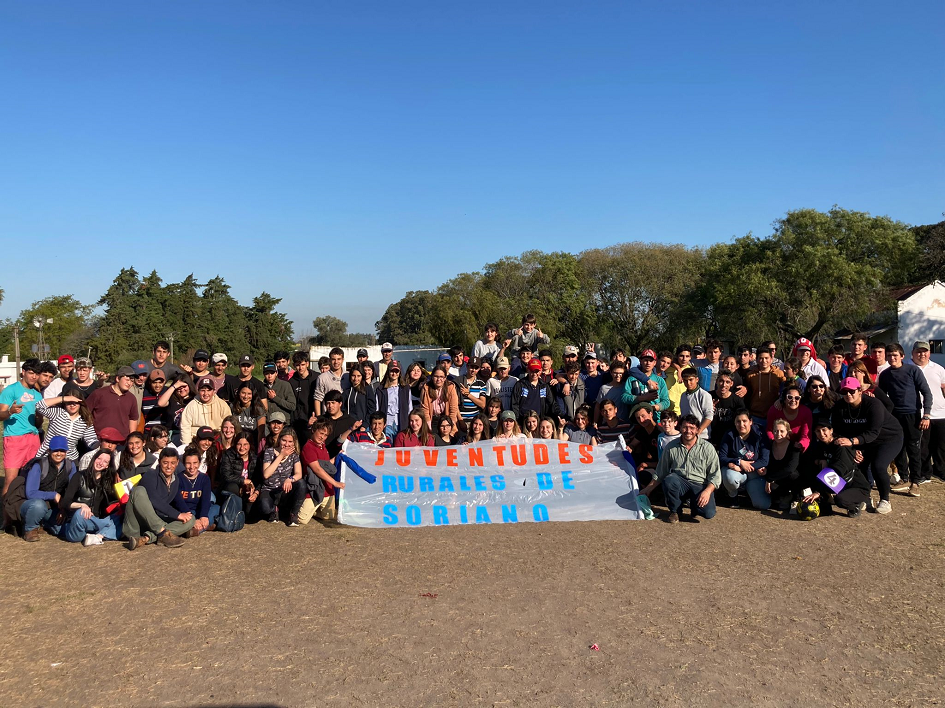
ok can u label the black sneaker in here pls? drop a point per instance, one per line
(273, 517)
(857, 510)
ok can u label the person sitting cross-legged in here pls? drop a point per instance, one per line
(46, 482)
(689, 472)
(155, 512)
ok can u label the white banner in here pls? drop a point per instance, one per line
(486, 483)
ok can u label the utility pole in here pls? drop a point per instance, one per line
(170, 340)
(16, 348)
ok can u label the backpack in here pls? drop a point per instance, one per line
(231, 518)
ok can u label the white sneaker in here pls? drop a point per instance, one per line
(895, 479)
(93, 539)
(884, 507)
(793, 510)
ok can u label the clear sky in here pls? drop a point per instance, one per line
(337, 154)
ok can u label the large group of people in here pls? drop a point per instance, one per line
(154, 453)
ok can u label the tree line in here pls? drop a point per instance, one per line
(815, 274)
(138, 311)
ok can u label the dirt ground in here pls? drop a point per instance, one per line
(744, 609)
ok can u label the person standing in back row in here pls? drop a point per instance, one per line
(912, 407)
(933, 438)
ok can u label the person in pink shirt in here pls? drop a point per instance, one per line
(798, 417)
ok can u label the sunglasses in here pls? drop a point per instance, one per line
(792, 398)
(848, 393)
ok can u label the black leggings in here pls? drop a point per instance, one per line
(269, 499)
(878, 456)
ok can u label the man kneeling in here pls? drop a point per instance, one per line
(689, 471)
(155, 512)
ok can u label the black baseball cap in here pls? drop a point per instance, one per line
(247, 359)
(201, 354)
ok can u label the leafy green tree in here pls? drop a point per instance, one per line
(930, 263)
(118, 334)
(640, 291)
(816, 273)
(330, 331)
(408, 321)
(68, 316)
(223, 320)
(268, 331)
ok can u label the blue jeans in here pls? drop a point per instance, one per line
(753, 484)
(39, 512)
(678, 490)
(75, 530)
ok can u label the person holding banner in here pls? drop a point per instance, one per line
(689, 472)
(417, 433)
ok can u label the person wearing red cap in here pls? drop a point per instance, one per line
(109, 440)
(66, 365)
(530, 394)
(806, 353)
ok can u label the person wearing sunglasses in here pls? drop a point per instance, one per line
(863, 423)
(798, 417)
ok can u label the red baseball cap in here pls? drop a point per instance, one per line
(66, 359)
(534, 365)
(648, 353)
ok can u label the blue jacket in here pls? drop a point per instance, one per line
(195, 494)
(166, 501)
(755, 449)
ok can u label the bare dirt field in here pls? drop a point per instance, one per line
(746, 609)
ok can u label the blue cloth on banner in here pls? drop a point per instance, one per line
(354, 467)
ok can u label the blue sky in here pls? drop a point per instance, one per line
(340, 154)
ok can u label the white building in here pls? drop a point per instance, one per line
(920, 316)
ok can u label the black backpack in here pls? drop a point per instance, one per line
(231, 518)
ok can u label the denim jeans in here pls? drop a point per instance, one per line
(75, 530)
(39, 512)
(679, 490)
(753, 483)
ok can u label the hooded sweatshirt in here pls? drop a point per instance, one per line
(765, 388)
(812, 367)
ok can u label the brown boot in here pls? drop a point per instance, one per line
(33, 535)
(136, 542)
(193, 533)
(212, 527)
(170, 540)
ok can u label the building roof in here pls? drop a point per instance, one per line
(907, 291)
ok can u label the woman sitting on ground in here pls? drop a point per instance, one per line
(85, 505)
(134, 458)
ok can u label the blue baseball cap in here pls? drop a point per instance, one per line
(58, 443)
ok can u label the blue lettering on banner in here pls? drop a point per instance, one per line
(413, 515)
(464, 485)
(479, 484)
(498, 482)
(390, 514)
(405, 483)
(425, 484)
(566, 481)
(463, 515)
(390, 484)
(540, 512)
(446, 485)
(509, 514)
(439, 515)
(482, 515)
(544, 481)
